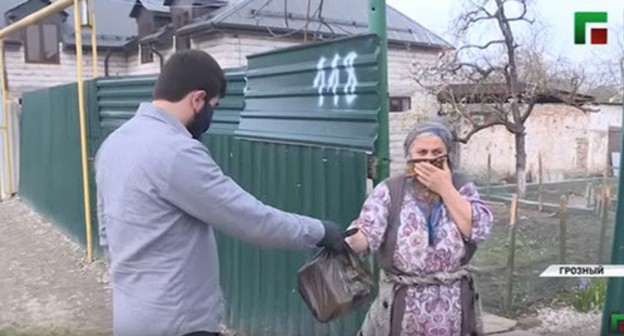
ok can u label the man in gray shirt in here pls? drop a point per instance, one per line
(160, 194)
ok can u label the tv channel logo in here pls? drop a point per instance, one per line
(616, 324)
(597, 35)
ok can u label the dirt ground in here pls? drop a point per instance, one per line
(46, 287)
(537, 246)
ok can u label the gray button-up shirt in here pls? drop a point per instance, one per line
(159, 195)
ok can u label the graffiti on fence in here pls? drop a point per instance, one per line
(331, 83)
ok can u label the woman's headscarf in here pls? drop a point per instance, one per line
(436, 127)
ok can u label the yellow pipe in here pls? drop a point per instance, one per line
(2, 86)
(94, 54)
(48, 10)
(7, 124)
(30, 19)
(83, 133)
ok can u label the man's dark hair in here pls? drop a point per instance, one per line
(187, 71)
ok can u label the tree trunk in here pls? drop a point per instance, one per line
(520, 164)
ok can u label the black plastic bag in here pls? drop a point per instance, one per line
(334, 284)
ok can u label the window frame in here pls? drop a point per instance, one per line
(56, 59)
(146, 55)
(404, 100)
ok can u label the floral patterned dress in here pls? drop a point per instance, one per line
(431, 310)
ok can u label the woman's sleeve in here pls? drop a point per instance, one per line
(482, 218)
(373, 219)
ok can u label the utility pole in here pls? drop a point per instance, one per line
(377, 25)
(614, 302)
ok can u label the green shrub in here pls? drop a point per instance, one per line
(591, 298)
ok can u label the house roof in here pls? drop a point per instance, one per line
(21, 9)
(608, 94)
(111, 21)
(339, 18)
(151, 5)
(497, 92)
(6, 6)
(211, 3)
(157, 34)
(113, 30)
(20, 4)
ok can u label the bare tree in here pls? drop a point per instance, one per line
(609, 64)
(499, 82)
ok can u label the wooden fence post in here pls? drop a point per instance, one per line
(489, 175)
(606, 194)
(512, 251)
(599, 203)
(540, 177)
(588, 190)
(563, 215)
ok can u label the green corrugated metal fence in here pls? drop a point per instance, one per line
(50, 157)
(260, 284)
(294, 130)
(325, 94)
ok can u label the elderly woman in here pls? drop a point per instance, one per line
(424, 227)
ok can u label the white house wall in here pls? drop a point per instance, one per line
(557, 132)
(23, 77)
(230, 50)
(135, 67)
(401, 83)
(599, 124)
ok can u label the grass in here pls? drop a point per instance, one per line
(537, 246)
(591, 298)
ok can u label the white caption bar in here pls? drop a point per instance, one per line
(583, 271)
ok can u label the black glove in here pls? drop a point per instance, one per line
(334, 239)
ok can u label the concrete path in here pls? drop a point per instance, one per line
(496, 325)
(47, 287)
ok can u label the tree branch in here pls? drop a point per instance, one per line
(521, 17)
(482, 47)
(502, 116)
(475, 129)
(530, 21)
(472, 21)
(483, 72)
(473, 17)
(529, 109)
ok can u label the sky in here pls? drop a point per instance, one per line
(556, 15)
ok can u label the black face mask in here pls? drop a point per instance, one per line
(438, 162)
(201, 122)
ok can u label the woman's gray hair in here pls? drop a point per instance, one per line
(436, 127)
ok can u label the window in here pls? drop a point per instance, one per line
(42, 44)
(146, 53)
(400, 104)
